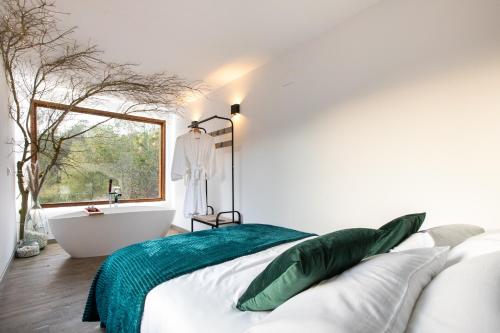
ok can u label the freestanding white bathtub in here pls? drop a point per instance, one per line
(91, 236)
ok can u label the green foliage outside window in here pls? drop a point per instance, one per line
(126, 151)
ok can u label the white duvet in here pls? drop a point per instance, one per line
(378, 292)
(204, 301)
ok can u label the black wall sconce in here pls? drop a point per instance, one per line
(235, 109)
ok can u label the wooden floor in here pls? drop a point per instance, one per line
(47, 293)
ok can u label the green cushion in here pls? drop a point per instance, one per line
(305, 264)
(397, 231)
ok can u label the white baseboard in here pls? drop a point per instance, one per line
(6, 269)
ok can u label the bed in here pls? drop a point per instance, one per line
(205, 299)
(405, 290)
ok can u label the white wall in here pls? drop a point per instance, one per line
(395, 111)
(8, 232)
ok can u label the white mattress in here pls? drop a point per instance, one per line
(204, 301)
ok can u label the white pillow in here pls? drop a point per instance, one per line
(377, 295)
(462, 299)
(475, 246)
(416, 241)
(445, 235)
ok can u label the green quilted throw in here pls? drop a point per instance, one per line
(119, 290)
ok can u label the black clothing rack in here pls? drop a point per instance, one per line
(211, 219)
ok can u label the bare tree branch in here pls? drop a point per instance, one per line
(43, 62)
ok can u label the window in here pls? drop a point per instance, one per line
(128, 149)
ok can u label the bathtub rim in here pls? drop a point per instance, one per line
(111, 211)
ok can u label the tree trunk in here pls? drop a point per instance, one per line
(24, 198)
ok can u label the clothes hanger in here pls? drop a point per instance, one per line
(196, 130)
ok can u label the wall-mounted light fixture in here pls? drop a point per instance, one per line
(235, 109)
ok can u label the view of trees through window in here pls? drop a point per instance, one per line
(128, 152)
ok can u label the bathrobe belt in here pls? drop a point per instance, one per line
(195, 174)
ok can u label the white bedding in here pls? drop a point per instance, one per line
(204, 301)
(481, 244)
(375, 296)
(464, 298)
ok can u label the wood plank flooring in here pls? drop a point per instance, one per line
(47, 293)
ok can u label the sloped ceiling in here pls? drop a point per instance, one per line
(212, 40)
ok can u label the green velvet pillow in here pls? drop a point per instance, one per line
(305, 264)
(397, 231)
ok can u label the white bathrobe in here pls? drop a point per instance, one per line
(194, 160)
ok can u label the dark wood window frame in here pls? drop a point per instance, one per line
(81, 110)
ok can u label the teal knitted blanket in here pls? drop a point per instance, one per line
(119, 289)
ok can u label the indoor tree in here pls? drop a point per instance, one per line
(42, 61)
